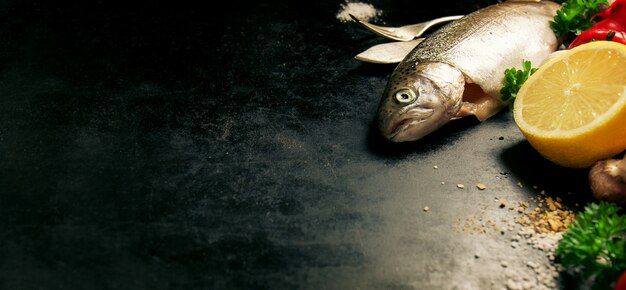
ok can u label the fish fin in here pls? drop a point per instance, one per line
(478, 103)
(467, 109)
(392, 52)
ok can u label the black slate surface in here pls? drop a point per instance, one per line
(186, 146)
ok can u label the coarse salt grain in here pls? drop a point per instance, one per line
(362, 11)
(541, 229)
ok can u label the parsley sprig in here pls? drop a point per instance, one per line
(575, 16)
(595, 244)
(513, 81)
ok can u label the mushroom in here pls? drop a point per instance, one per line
(607, 179)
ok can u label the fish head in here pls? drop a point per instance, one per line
(418, 99)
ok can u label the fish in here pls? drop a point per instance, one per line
(458, 70)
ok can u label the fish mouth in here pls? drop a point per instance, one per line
(408, 120)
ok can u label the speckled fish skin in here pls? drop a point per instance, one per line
(426, 90)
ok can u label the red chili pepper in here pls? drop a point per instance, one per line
(621, 282)
(599, 34)
(612, 26)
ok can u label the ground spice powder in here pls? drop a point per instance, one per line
(548, 217)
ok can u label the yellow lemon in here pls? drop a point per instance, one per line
(572, 110)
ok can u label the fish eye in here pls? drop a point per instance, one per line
(405, 96)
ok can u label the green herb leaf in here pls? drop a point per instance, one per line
(595, 244)
(575, 16)
(513, 81)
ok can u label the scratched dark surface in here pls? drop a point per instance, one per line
(182, 146)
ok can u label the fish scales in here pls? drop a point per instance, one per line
(458, 70)
(474, 45)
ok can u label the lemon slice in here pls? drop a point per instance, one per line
(572, 110)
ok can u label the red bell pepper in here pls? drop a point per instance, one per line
(612, 26)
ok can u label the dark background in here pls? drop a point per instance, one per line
(184, 145)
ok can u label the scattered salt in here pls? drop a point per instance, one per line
(362, 11)
(541, 229)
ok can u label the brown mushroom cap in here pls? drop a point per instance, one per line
(606, 181)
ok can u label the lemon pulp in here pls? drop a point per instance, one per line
(573, 109)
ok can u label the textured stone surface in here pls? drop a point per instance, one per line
(181, 146)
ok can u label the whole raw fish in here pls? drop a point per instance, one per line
(458, 70)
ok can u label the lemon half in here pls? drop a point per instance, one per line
(572, 110)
